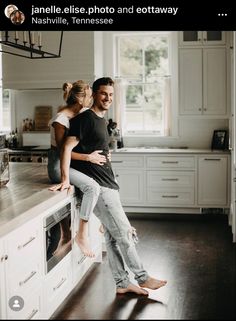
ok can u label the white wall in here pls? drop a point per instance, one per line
(193, 133)
(76, 62)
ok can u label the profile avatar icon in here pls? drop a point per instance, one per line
(9, 9)
(16, 304)
(17, 17)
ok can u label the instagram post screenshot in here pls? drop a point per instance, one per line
(117, 160)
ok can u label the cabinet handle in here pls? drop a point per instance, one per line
(82, 259)
(32, 314)
(23, 245)
(170, 179)
(204, 109)
(117, 161)
(59, 284)
(234, 180)
(28, 278)
(170, 162)
(117, 175)
(212, 159)
(170, 196)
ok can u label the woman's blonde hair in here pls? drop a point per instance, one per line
(71, 90)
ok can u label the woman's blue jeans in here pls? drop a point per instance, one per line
(88, 186)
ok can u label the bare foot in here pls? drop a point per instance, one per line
(83, 244)
(62, 250)
(153, 284)
(133, 289)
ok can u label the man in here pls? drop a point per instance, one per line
(88, 132)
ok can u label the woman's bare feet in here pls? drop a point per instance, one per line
(83, 244)
(133, 289)
(153, 284)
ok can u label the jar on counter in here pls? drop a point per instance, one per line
(4, 167)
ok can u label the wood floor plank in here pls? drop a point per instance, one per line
(194, 253)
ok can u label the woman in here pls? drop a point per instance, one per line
(77, 97)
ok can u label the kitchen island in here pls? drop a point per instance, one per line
(36, 269)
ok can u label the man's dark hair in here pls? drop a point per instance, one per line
(104, 81)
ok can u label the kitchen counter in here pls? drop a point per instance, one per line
(26, 195)
(167, 150)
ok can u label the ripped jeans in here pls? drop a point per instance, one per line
(120, 238)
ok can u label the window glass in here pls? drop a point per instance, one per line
(144, 63)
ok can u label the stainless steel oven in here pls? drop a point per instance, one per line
(57, 236)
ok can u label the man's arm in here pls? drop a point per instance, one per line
(66, 155)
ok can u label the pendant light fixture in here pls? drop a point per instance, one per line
(28, 44)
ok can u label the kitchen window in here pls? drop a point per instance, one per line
(145, 65)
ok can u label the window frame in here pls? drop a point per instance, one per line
(110, 62)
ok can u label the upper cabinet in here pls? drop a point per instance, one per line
(202, 81)
(201, 38)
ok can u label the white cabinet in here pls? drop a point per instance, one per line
(213, 185)
(170, 180)
(21, 270)
(57, 284)
(129, 173)
(202, 79)
(3, 258)
(201, 38)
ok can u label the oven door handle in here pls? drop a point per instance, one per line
(54, 220)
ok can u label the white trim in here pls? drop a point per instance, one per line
(109, 69)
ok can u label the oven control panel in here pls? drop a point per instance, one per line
(28, 157)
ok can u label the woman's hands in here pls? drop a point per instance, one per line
(61, 187)
(97, 158)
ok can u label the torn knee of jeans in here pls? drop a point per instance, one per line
(132, 234)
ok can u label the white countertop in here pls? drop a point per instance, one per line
(26, 195)
(167, 150)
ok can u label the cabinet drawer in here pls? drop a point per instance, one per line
(170, 179)
(57, 285)
(127, 161)
(23, 243)
(170, 196)
(170, 162)
(23, 279)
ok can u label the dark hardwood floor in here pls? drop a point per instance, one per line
(194, 253)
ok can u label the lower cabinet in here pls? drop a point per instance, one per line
(154, 182)
(129, 173)
(213, 187)
(28, 290)
(21, 272)
(57, 284)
